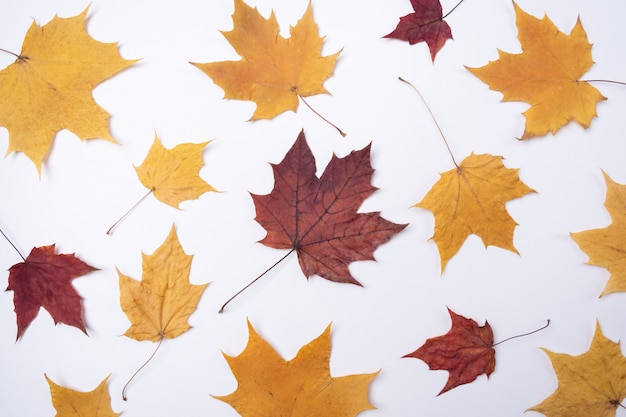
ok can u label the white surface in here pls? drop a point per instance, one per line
(86, 186)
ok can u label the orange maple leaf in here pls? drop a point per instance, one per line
(470, 199)
(269, 385)
(591, 384)
(274, 72)
(546, 75)
(48, 87)
(70, 403)
(606, 246)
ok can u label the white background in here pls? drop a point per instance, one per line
(86, 186)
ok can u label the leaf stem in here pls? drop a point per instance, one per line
(14, 247)
(605, 81)
(451, 10)
(432, 116)
(255, 280)
(12, 53)
(140, 368)
(524, 334)
(129, 211)
(341, 132)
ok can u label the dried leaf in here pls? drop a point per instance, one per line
(302, 387)
(70, 403)
(49, 87)
(546, 75)
(273, 72)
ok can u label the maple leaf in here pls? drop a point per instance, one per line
(470, 199)
(172, 175)
(546, 75)
(70, 403)
(274, 72)
(44, 279)
(466, 352)
(269, 385)
(159, 305)
(425, 24)
(591, 384)
(317, 217)
(48, 88)
(606, 246)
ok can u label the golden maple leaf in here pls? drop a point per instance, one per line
(269, 385)
(470, 199)
(591, 384)
(273, 72)
(159, 305)
(546, 75)
(70, 403)
(49, 87)
(606, 246)
(172, 174)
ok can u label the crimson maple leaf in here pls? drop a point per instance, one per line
(44, 279)
(426, 24)
(317, 217)
(466, 352)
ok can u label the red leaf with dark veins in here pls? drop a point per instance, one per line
(426, 24)
(466, 352)
(317, 217)
(44, 279)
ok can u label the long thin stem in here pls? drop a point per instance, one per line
(341, 132)
(605, 81)
(140, 368)
(128, 212)
(432, 116)
(521, 335)
(14, 247)
(254, 280)
(451, 10)
(9, 52)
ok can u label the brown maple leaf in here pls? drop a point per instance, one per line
(466, 352)
(268, 385)
(274, 72)
(44, 279)
(606, 246)
(49, 87)
(317, 217)
(546, 75)
(470, 199)
(425, 24)
(591, 384)
(70, 403)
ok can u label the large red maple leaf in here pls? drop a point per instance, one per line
(426, 24)
(317, 217)
(44, 279)
(466, 352)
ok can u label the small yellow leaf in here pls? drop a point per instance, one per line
(159, 305)
(546, 75)
(173, 174)
(471, 199)
(606, 247)
(273, 70)
(302, 387)
(591, 384)
(70, 403)
(49, 87)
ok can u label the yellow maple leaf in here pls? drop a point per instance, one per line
(470, 199)
(70, 403)
(274, 71)
(606, 246)
(591, 384)
(270, 386)
(49, 87)
(159, 305)
(173, 174)
(546, 75)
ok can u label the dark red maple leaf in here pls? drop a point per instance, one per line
(426, 24)
(466, 352)
(44, 280)
(317, 217)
